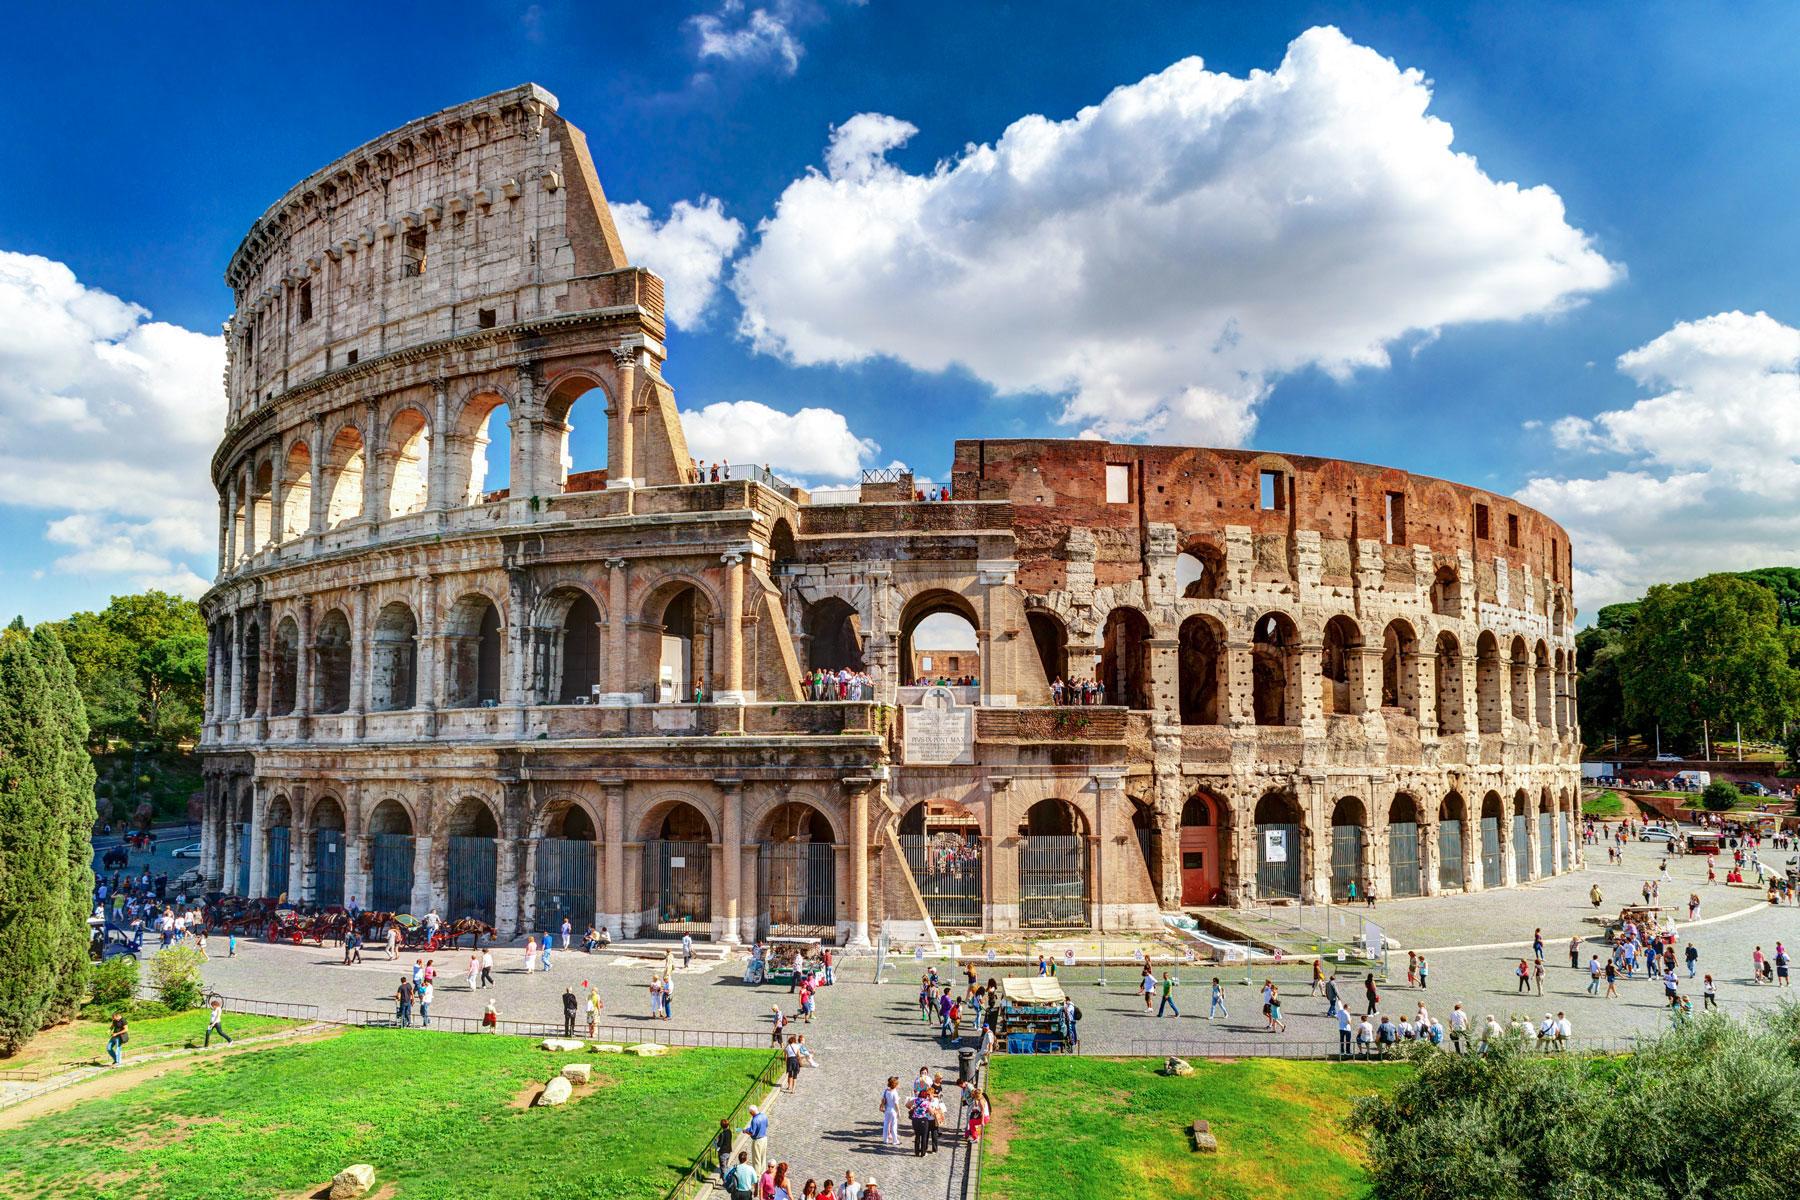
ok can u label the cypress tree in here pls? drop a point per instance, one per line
(75, 783)
(33, 859)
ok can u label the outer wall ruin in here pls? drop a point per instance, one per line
(426, 692)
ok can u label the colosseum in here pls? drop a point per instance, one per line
(454, 666)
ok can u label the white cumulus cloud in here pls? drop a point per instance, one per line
(734, 32)
(813, 443)
(1159, 258)
(1708, 474)
(108, 418)
(688, 250)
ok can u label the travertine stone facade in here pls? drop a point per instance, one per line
(582, 694)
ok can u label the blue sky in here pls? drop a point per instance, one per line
(1665, 132)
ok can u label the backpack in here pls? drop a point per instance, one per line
(1078, 1012)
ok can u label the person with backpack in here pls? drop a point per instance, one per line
(740, 1181)
(115, 1044)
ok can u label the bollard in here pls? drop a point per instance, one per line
(965, 1065)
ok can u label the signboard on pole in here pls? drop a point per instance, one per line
(1275, 845)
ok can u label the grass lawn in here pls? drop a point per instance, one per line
(1606, 804)
(436, 1113)
(82, 1043)
(1116, 1128)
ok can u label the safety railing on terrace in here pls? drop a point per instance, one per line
(268, 1008)
(1332, 923)
(1278, 1047)
(696, 1180)
(731, 1039)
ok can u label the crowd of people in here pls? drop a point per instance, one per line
(945, 681)
(1077, 691)
(842, 684)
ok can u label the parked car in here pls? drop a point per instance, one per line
(1656, 833)
(192, 851)
(1668, 758)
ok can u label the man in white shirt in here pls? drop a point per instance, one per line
(1459, 1028)
(1565, 1029)
(1365, 1037)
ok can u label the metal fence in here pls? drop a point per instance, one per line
(730, 1039)
(1403, 859)
(799, 883)
(1450, 854)
(1337, 923)
(276, 874)
(267, 1008)
(946, 868)
(677, 887)
(696, 1180)
(565, 883)
(471, 865)
(391, 874)
(1278, 1047)
(328, 867)
(1053, 881)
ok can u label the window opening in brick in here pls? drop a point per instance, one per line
(413, 262)
(306, 302)
(350, 358)
(485, 318)
(1481, 521)
(1118, 483)
(1396, 518)
(1512, 530)
(1273, 497)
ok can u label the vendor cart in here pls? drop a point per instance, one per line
(790, 959)
(1030, 1020)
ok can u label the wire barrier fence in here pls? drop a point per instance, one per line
(696, 1180)
(1276, 1047)
(731, 1039)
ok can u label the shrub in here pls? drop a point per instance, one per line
(175, 973)
(1720, 797)
(114, 981)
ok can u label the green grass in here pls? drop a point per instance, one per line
(81, 1043)
(1115, 1128)
(1606, 804)
(433, 1112)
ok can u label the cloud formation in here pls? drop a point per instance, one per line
(108, 418)
(759, 36)
(688, 250)
(811, 444)
(1157, 260)
(1706, 471)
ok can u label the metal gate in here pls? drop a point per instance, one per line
(798, 884)
(328, 867)
(946, 868)
(471, 861)
(1546, 847)
(1403, 858)
(565, 884)
(1491, 875)
(677, 888)
(1568, 841)
(1450, 854)
(1522, 846)
(1278, 861)
(391, 873)
(243, 863)
(1346, 859)
(1053, 883)
(275, 871)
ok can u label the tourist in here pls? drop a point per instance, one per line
(544, 951)
(1147, 985)
(889, 1107)
(1575, 953)
(1168, 996)
(1424, 973)
(487, 968)
(687, 951)
(593, 1007)
(740, 1181)
(531, 954)
(403, 998)
(1459, 1028)
(791, 1054)
(425, 1004)
(1373, 996)
(1490, 1033)
(778, 1023)
(115, 1042)
(668, 994)
(1523, 971)
(722, 1146)
(215, 1014)
(474, 970)
(569, 1008)
(1331, 996)
(1344, 1032)
(758, 1130)
(656, 997)
(1537, 944)
(1275, 1021)
(490, 1018)
(1709, 994)
(568, 931)
(1412, 969)
(1612, 980)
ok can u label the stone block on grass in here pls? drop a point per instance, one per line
(607, 1048)
(352, 1181)
(578, 1072)
(647, 1049)
(561, 1045)
(557, 1091)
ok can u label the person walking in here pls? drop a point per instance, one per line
(1147, 985)
(393, 941)
(1709, 993)
(1424, 974)
(1344, 1032)
(889, 1107)
(1373, 996)
(656, 997)
(567, 931)
(474, 970)
(1575, 953)
(1523, 971)
(425, 994)
(687, 951)
(1217, 1008)
(531, 954)
(919, 1109)
(1612, 979)
(1459, 1028)
(1593, 987)
(1168, 996)
(115, 1042)
(668, 995)
(1275, 1021)
(790, 1052)
(1693, 958)
(403, 998)
(722, 1146)
(1537, 944)
(740, 1181)
(1537, 975)
(215, 1015)
(570, 1004)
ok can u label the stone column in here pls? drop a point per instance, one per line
(859, 787)
(731, 852)
(1509, 859)
(517, 633)
(523, 852)
(359, 657)
(320, 504)
(617, 665)
(424, 893)
(428, 677)
(733, 692)
(277, 469)
(359, 852)
(237, 665)
(1556, 841)
(259, 850)
(303, 665)
(224, 533)
(621, 464)
(231, 839)
(612, 906)
(374, 457)
(1533, 853)
(1471, 848)
(437, 487)
(300, 843)
(1430, 850)
(265, 669)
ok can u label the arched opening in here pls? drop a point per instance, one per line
(1148, 831)
(1447, 676)
(939, 642)
(1349, 838)
(566, 871)
(1446, 593)
(1399, 668)
(1125, 659)
(470, 858)
(1051, 640)
(1490, 708)
(487, 425)
(240, 535)
(1200, 572)
(1406, 877)
(1521, 827)
(796, 866)
(1560, 701)
(284, 685)
(1274, 667)
(1520, 673)
(577, 439)
(833, 636)
(566, 648)
(296, 492)
(277, 850)
(331, 663)
(1053, 866)
(409, 463)
(943, 851)
(684, 666)
(252, 652)
(329, 854)
(1565, 816)
(391, 858)
(1340, 667)
(472, 654)
(678, 874)
(394, 660)
(1203, 817)
(1542, 714)
(1451, 814)
(1278, 853)
(1201, 671)
(1559, 615)
(783, 552)
(1546, 820)
(1492, 818)
(343, 477)
(262, 507)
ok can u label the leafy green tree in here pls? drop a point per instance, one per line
(114, 983)
(75, 815)
(175, 974)
(1784, 582)
(141, 665)
(1709, 650)
(1720, 796)
(1600, 700)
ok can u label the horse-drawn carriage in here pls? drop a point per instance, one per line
(300, 927)
(415, 935)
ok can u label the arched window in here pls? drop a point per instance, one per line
(1340, 666)
(1447, 674)
(409, 465)
(331, 663)
(1446, 593)
(1274, 664)
(1399, 660)
(566, 644)
(343, 482)
(833, 636)
(252, 651)
(472, 653)
(1201, 671)
(684, 664)
(1489, 704)
(1125, 659)
(262, 509)
(576, 414)
(296, 492)
(282, 693)
(394, 662)
(938, 639)
(1200, 572)
(1543, 690)
(1521, 682)
(487, 424)
(1349, 821)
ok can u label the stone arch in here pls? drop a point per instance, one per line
(960, 623)
(1050, 637)
(1280, 822)
(783, 550)
(473, 475)
(278, 845)
(1519, 673)
(1054, 865)
(1495, 824)
(1446, 591)
(331, 663)
(567, 830)
(261, 511)
(1275, 670)
(678, 817)
(472, 652)
(394, 659)
(678, 621)
(677, 898)
(577, 450)
(1125, 658)
(324, 836)
(1543, 689)
(1399, 667)
(346, 460)
(797, 870)
(284, 684)
(296, 490)
(407, 465)
(833, 635)
(1200, 572)
(782, 817)
(1490, 704)
(1340, 666)
(566, 645)
(1205, 838)
(1523, 823)
(392, 814)
(1349, 847)
(1452, 835)
(1203, 671)
(250, 647)
(1447, 676)
(1405, 864)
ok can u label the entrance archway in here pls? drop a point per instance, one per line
(284, 687)
(797, 874)
(1349, 840)
(277, 847)
(566, 647)
(391, 858)
(1521, 826)
(1202, 817)
(328, 853)
(678, 874)
(683, 664)
(1406, 877)
(565, 871)
(1278, 865)
(833, 636)
(943, 852)
(1451, 814)
(470, 860)
(1546, 840)
(1492, 818)
(1053, 866)
(1125, 659)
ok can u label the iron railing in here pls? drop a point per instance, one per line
(732, 1039)
(696, 1180)
(268, 1008)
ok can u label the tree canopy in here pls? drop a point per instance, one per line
(141, 666)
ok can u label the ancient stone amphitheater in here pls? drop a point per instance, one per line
(583, 693)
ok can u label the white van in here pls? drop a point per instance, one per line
(1697, 780)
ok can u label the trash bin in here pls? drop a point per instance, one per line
(965, 1065)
